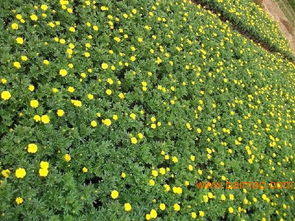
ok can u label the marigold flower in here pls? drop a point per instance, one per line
(176, 207)
(63, 72)
(107, 122)
(93, 123)
(84, 170)
(162, 206)
(201, 213)
(114, 194)
(34, 103)
(60, 113)
(104, 66)
(123, 175)
(153, 213)
(127, 207)
(5, 95)
(45, 119)
(121, 96)
(34, 17)
(43, 172)
(17, 65)
(67, 157)
(44, 165)
(44, 7)
(230, 210)
(19, 40)
(32, 148)
(133, 116)
(109, 92)
(5, 173)
(133, 140)
(19, 200)
(14, 26)
(20, 173)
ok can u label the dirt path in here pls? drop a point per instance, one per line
(273, 9)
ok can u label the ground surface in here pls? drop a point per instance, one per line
(285, 24)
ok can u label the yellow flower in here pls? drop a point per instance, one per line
(205, 198)
(194, 215)
(14, 26)
(174, 159)
(162, 206)
(45, 119)
(5, 173)
(46, 62)
(71, 89)
(76, 103)
(132, 58)
(162, 170)
(37, 118)
(34, 103)
(109, 92)
(19, 200)
(155, 173)
(17, 65)
(44, 7)
(153, 214)
(72, 29)
(123, 175)
(107, 122)
(230, 210)
(60, 112)
(133, 140)
(32, 148)
(104, 66)
(147, 216)
(114, 194)
(95, 28)
(140, 40)
(84, 170)
(223, 197)
(34, 17)
(43, 172)
(63, 72)
(90, 96)
(121, 96)
(20, 173)
(115, 117)
(176, 207)
(104, 8)
(133, 116)
(19, 40)
(44, 164)
(202, 213)
(210, 195)
(127, 207)
(93, 123)
(110, 81)
(152, 182)
(231, 197)
(24, 58)
(5, 95)
(67, 157)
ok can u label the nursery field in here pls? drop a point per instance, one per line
(252, 19)
(118, 110)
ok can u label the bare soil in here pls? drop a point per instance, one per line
(273, 9)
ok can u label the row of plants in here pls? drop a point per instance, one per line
(113, 110)
(254, 21)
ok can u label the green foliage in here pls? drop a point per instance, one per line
(253, 20)
(140, 99)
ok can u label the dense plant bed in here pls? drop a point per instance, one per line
(114, 110)
(250, 18)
